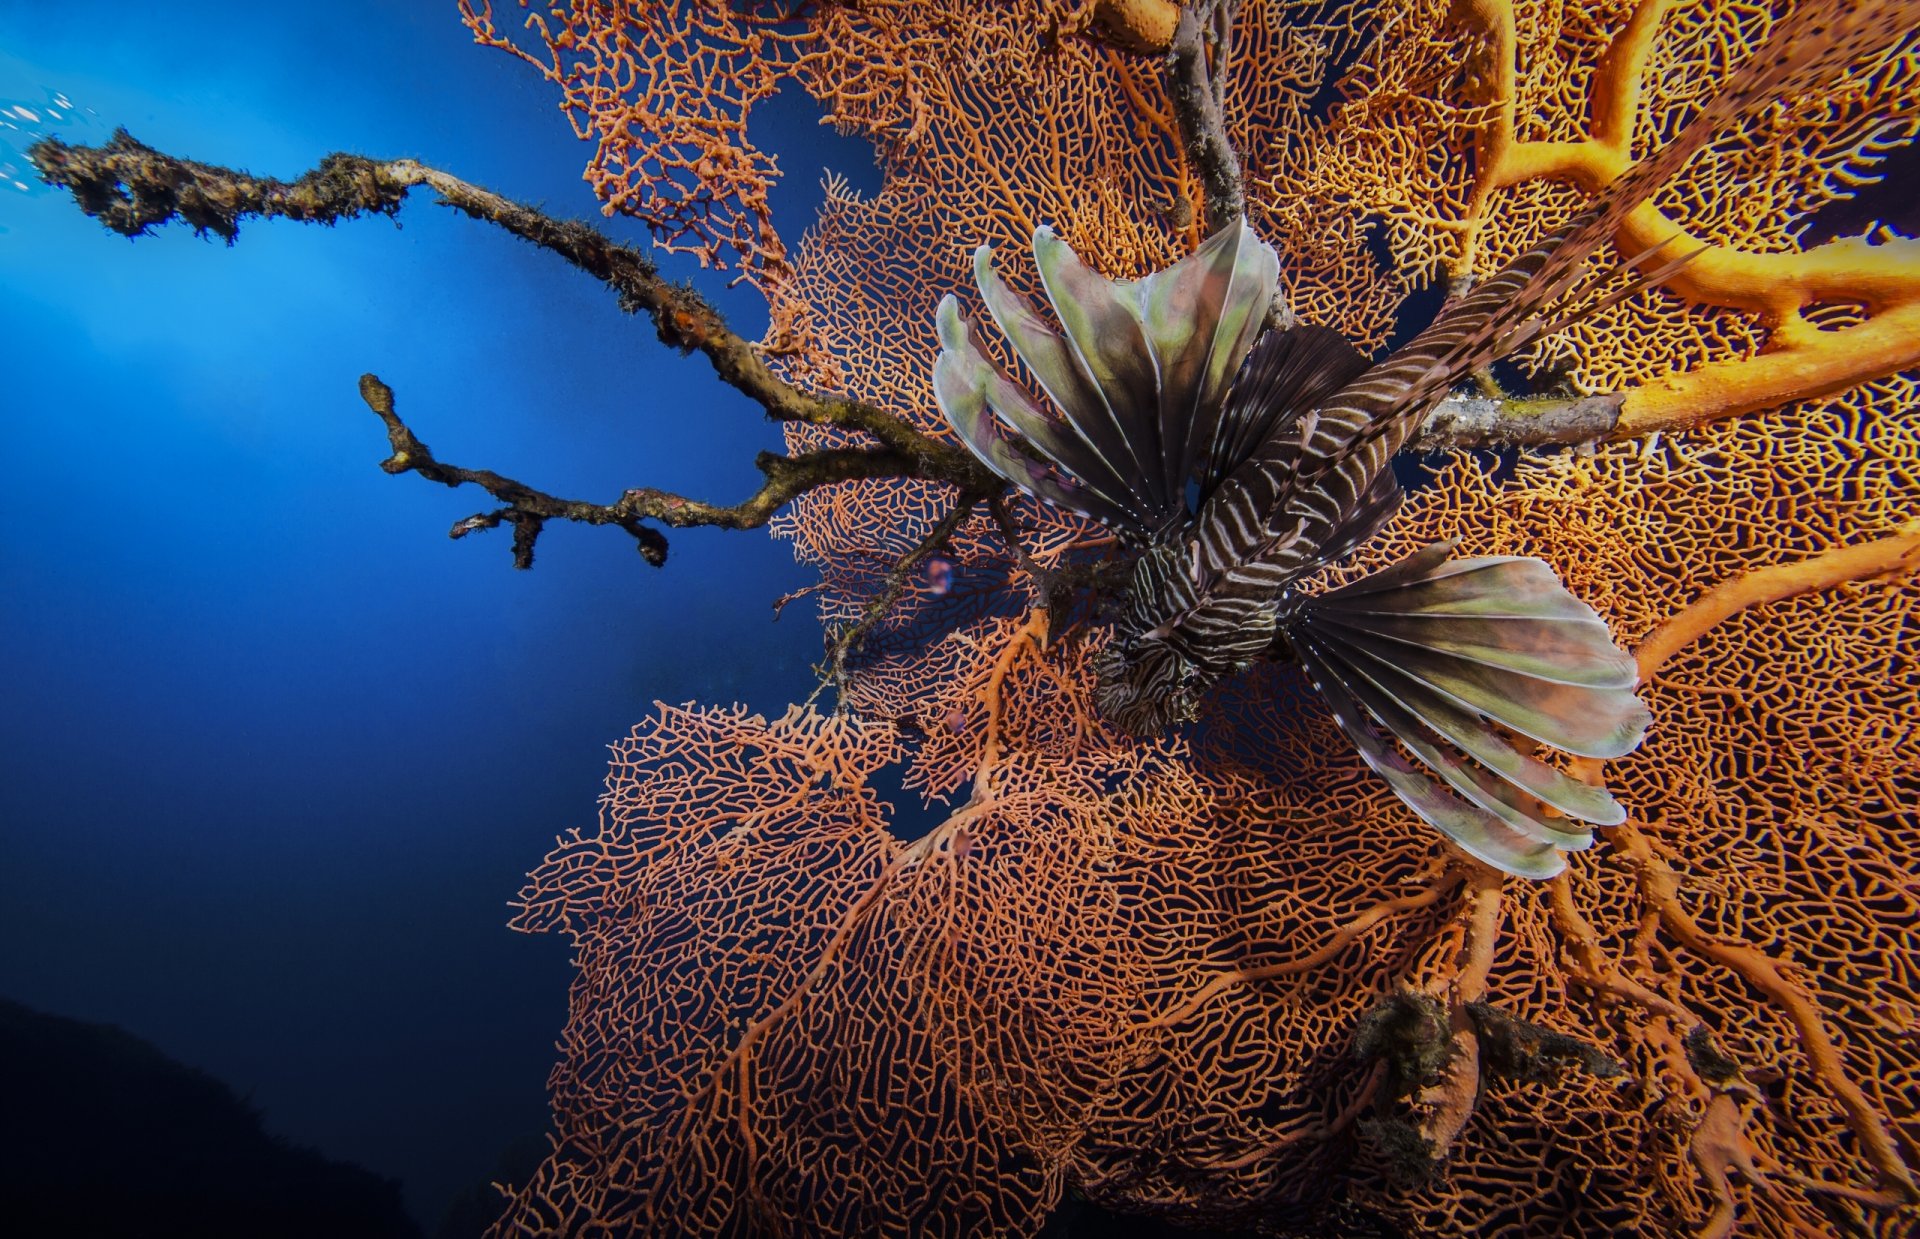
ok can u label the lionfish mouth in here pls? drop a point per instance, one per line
(1145, 690)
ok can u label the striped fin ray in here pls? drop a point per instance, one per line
(1053, 365)
(1135, 367)
(963, 383)
(1480, 834)
(1503, 639)
(1468, 732)
(1433, 648)
(1520, 812)
(1204, 315)
(1290, 487)
(1109, 343)
(1288, 373)
(1051, 437)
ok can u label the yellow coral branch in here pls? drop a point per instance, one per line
(1800, 361)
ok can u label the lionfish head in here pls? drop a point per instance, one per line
(1145, 685)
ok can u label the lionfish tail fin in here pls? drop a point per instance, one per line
(1442, 653)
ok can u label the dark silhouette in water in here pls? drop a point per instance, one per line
(103, 1135)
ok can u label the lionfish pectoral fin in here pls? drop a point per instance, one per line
(1477, 832)
(1046, 433)
(1107, 340)
(1203, 315)
(1438, 651)
(963, 378)
(1051, 361)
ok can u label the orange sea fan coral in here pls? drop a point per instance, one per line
(1138, 968)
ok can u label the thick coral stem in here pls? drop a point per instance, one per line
(1800, 361)
(1445, 1105)
(1660, 888)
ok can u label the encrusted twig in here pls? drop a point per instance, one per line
(1480, 422)
(529, 509)
(849, 639)
(132, 188)
(1196, 96)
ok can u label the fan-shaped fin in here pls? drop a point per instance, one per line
(1578, 652)
(1203, 315)
(1050, 359)
(1054, 439)
(1591, 722)
(1497, 635)
(1137, 365)
(961, 379)
(1478, 833)
(1110, 344)
(1498, 797)
(1475, 737)
(1488, 586)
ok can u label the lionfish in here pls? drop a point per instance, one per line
(1239, 460)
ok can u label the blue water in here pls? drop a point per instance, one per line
(275, 753)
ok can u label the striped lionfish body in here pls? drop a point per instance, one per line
(1239, 460)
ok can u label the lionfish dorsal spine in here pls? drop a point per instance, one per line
(1279, 493)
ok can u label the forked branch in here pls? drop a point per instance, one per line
(528, 509)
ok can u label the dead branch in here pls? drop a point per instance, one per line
(1197, 94)
(528, 509)
(131, 188)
